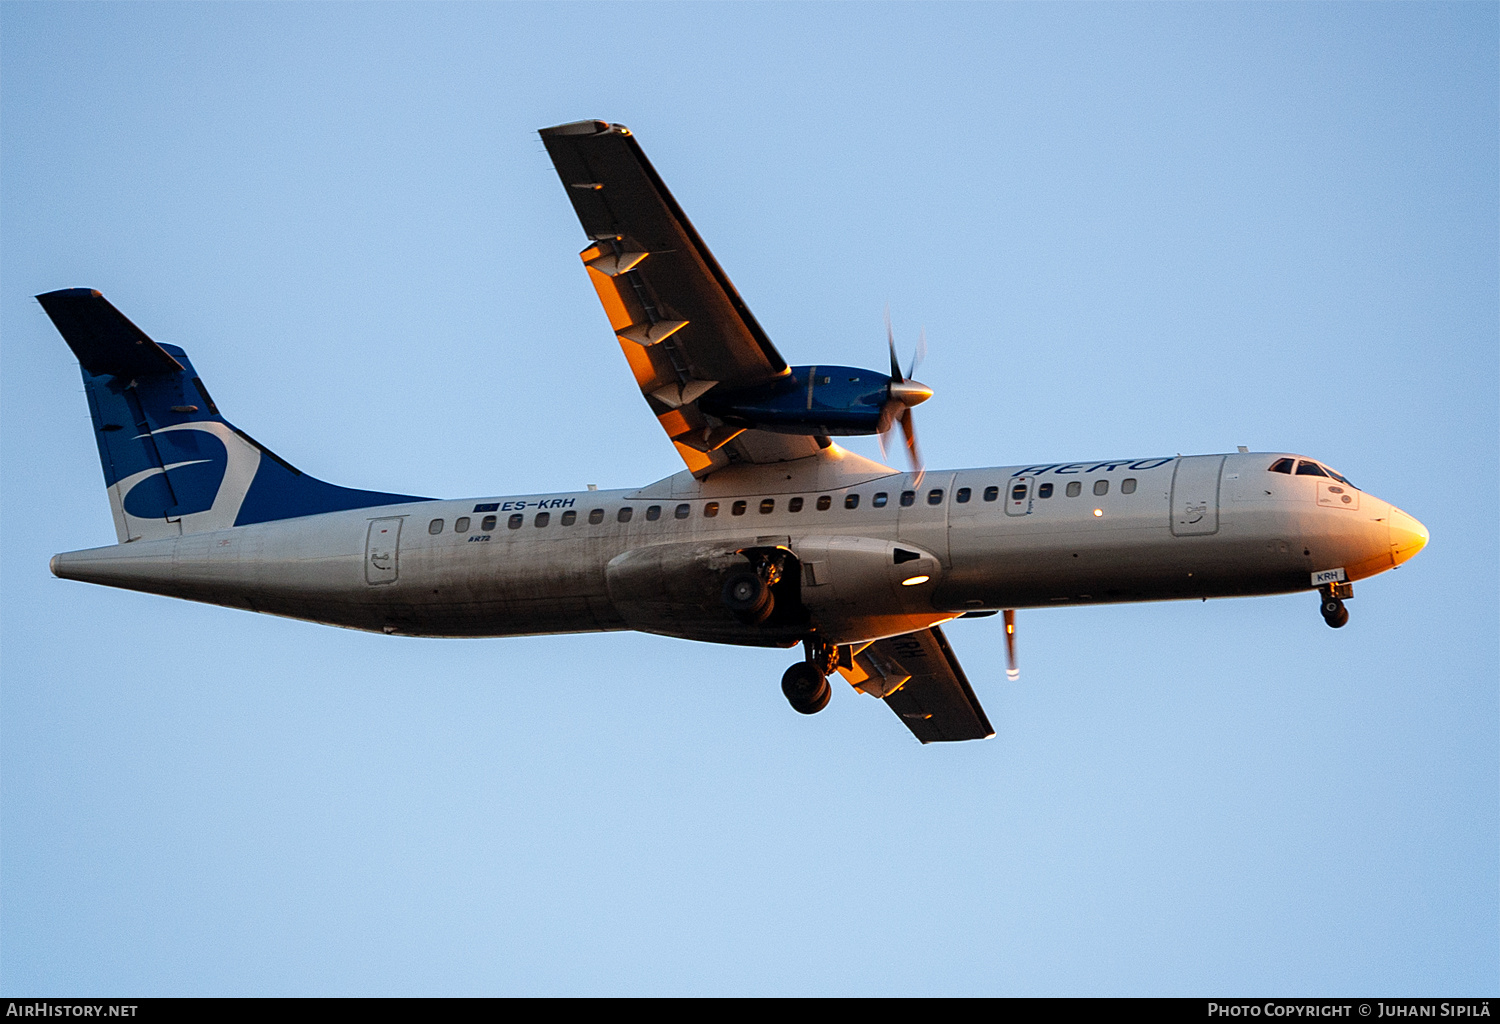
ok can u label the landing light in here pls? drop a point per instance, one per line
(1098, 511)
(915, 580)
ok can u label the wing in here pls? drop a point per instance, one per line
(919, 677)
(682, 326)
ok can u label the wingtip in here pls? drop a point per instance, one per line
(594, 127)
(69, 293)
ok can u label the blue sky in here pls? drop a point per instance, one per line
(1127, 230)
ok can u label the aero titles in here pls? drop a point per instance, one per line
(1071, 468)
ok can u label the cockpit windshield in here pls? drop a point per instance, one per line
(1307, 467)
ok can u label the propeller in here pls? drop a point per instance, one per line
(903, 393)
(1011, 671)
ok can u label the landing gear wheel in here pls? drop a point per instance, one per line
(1334, 612)
(806, 689)
(748, 597)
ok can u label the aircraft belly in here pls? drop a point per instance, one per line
(506, 586)
(1028, 561)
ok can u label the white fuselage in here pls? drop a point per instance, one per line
(1205, 526)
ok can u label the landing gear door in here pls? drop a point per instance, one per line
(1195, 495)
(1020, 493)
(382, 545)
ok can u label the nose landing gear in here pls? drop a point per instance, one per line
(806, 683)
(1334, 612)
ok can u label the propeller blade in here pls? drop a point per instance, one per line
(890, 338)
(919, 355)
(1011, 671)
(909, 428)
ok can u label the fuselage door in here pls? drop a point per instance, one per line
(382, 545)
(1020, 494)
(1195, 495)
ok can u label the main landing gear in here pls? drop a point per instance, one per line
(1334, 612)
(747, 592)
(806, 683)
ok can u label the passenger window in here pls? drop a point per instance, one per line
(461, 524)
(1044, 491)
(824, 503)
(738, 508)
(515, 521)
(935, 496)
(991, 493)
(1127, 486)
(569, 517)
(711, 510)
(908, 498)
(488, 524)
(1305, 468)
(435, 527)
(851, 501)
(1101, 486)
(683, 511)
(767, 506)
(1018, 492)
(1074, 488)
(1281, 466)
(596, 516)
(795, 505)
(880, 499)
(653, 513)
(543, 518)
(962, 497)
(624, 514)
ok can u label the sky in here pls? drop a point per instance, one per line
(1126, 230)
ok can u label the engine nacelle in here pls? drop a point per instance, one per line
(834, 400)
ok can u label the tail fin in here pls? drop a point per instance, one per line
(172, 464)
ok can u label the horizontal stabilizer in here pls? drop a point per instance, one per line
(103, 338)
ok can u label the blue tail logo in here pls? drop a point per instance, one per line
(171, 463)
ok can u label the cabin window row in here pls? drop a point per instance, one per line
(766, 506)
(1073, 489)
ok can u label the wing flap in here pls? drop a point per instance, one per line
(920, 679)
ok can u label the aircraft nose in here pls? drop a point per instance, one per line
(1407, 536)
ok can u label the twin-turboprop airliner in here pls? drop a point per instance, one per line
(772, 535)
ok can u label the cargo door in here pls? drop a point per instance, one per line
(382, 549)
(1195, 495)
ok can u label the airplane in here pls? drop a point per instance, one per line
(772, 535)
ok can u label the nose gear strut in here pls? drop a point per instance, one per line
(1334, 595)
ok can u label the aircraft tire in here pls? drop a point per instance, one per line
(806, 689)
(747, 596)
(1334, 613)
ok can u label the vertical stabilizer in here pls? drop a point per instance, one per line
(172, 464)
